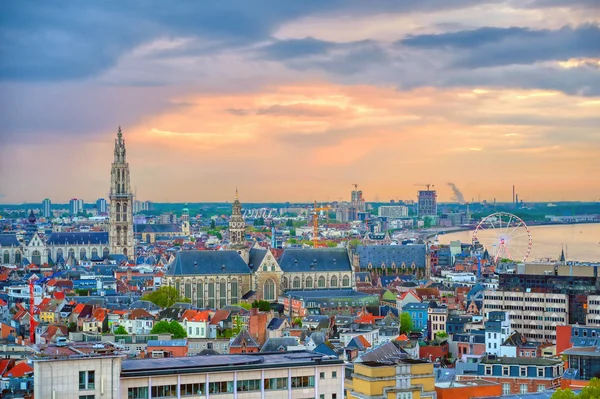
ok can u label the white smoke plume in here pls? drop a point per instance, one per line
(458, 196)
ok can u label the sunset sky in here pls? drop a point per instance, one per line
(297, 100)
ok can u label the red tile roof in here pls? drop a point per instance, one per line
(19, 370)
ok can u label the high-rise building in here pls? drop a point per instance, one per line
(80, 206)
(73, 207)
(120, 234)
(46, 208)
(101, 206)
(427, 203)
(393, 211)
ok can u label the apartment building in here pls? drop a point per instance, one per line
(298, 374)
(533, 314)
(592, 317)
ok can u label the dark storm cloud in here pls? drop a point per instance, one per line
(63, 40)
(489, 47)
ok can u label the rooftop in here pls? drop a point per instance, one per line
(212, 363)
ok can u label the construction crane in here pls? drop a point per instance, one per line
(425, 185)
(317, 209)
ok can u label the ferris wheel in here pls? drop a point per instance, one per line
(505, 236)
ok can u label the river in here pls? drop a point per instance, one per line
(581, 241)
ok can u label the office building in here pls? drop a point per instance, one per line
(427, 205)
(577, 289)
(101, 206)
(397, 211)
(298, 374)
(74, 207)
(46, 211)
(533, 314)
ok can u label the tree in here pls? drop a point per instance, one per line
(259, 222)
(292, 232)
(441, 335)
(406, 323)
(164, 297)
(354, 243)
(297, 322)
(121, 331)
(289, 223)
(263, 306)
(173, 328)
(212, 224)
(592, 390)
(244, 305)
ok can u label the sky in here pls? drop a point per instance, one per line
(299, 100)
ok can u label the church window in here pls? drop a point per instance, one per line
(94, 253)
(105, 253)
(6, 258)
(296, 282)
(36, 258)
(309, 282)
(200, 295)
(334, 281)
(264, 268)
(124, 212)
(118, 213)
(71, 253)
(82, 254)
(118, 235)
(18, 257)
(59, 253)
(178, 287)
(272, 268)
(234, 291)
(188, 290)
(211, 294)
(321, 282)
(284, 282)
(346, 281)
(269, 290)
(222, 293)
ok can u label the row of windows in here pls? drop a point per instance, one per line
(36, 255)
(532, 327)
(170, 391)
(523, 299)
(191, 291)
(525, 308)
(320, 282)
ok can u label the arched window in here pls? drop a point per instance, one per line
(6, 257)
(71, 253)
(272, 268)
(211, 294)
(124, 212)
(321, 282)
(284, 282)
(178, 287)
(222, 293)
(188, 290)
(264, 268)
(118, 235)
(345, 281)
(105, 253)
(200, 295)
(82, 254)
(18, 257)
(147, 238)
(234, 292)
(94, 253)
(334, 281)
(59, 253)
(309, 282)
(36, 258)
(296, 283)
(269, 290)
(118, 213)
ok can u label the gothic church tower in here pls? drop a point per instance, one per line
(120, 233)
(237, 229)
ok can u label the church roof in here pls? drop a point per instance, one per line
(78, 238)
(388, 254)
(321, 259)
(256, 257)
(188, 263)
(7, 240)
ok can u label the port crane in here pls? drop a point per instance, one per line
(317, 209)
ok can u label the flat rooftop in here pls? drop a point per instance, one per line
(214, 363)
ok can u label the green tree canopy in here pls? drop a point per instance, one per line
(164, 297)
(173, 328)
(591, 391)
(441, 335)
(121, 331)
(406, 323)
(244, 305)
(289, 223)
(263, 306)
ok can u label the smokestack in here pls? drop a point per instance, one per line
(514, 202)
